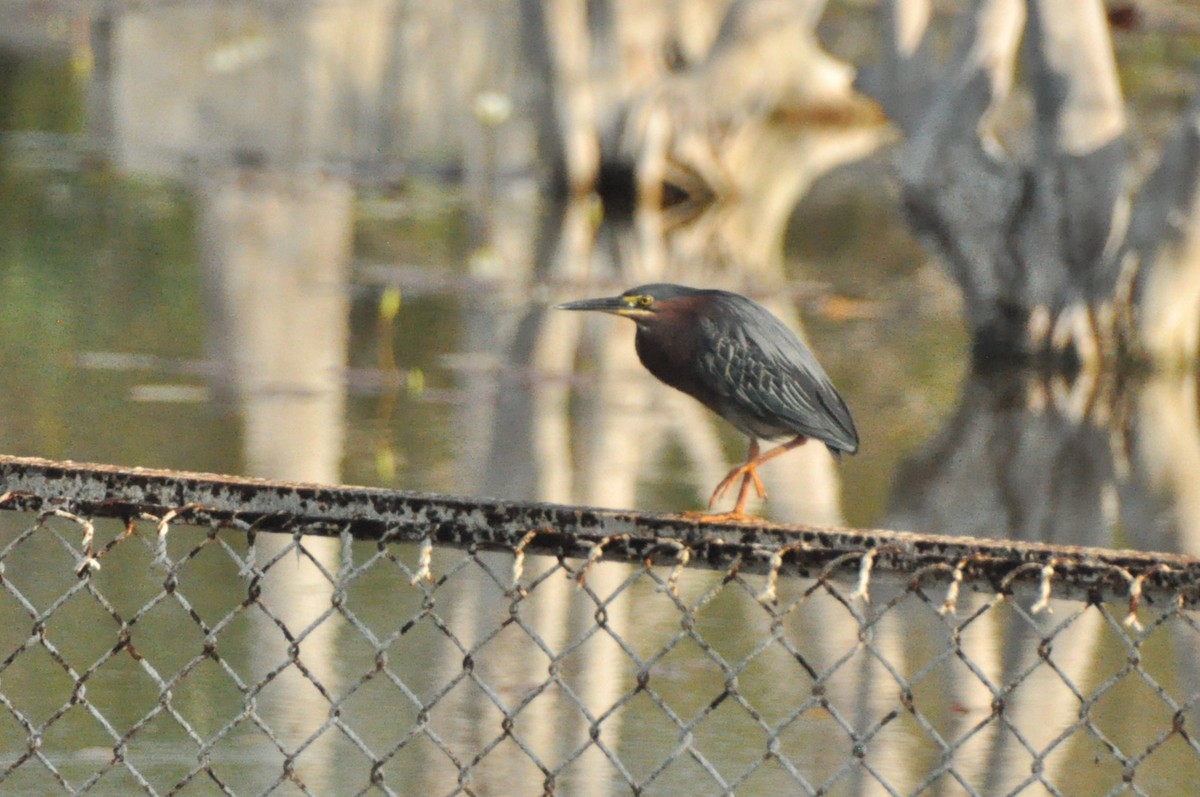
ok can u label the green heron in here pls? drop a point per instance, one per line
(733, 356)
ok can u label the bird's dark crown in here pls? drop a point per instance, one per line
(642, 304)
(645, 300)
(661, 291)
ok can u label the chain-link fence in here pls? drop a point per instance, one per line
(155, 639)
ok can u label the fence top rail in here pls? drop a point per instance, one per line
(589, 533)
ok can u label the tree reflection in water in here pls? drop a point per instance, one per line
(564, 412)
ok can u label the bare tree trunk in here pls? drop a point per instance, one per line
(1039, 243)
(694, 134)
(555, 144)
(1030, 243)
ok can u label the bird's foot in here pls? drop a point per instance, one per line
(748, 471)
(723, 517)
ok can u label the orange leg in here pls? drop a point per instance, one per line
(749, 477)
(748, 473)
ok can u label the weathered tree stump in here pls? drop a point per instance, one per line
(1050, 265)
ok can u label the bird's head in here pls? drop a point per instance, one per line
(644, 304)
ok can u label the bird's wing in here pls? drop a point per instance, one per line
(759, 366)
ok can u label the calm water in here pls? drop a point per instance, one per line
(221, 317)
(231, 241)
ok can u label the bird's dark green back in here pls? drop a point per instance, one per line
(745, 364)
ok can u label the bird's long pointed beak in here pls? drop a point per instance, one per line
(608, 304)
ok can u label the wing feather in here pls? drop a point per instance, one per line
(766, 381)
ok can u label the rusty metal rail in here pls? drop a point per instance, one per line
(260, 505)
(191, 647)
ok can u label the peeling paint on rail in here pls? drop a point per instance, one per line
(94, 490)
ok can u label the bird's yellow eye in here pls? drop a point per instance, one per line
(645, 301)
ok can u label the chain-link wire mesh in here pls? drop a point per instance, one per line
(182, 650)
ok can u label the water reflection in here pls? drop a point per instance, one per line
(288, 132)
(275, 239)
(276, 252)
(864, 697)
(1011, 459)
(596, 438)
(1107, 463)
